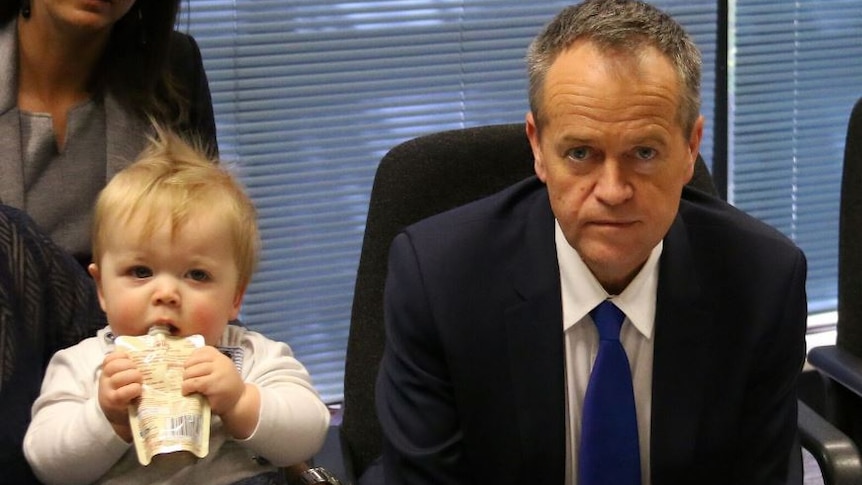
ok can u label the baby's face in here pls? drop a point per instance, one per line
(187, 281)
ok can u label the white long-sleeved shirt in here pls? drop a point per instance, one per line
(70, 440)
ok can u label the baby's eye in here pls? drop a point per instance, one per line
(198, 275)
(645, 153)
(141, 272)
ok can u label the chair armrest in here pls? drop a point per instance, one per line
(838, 365)
(837, 456)
(331, 456)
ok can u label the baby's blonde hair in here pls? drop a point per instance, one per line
(176, 177)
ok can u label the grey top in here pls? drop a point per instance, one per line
(72, 176)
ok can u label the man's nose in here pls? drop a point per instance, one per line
(613, 186)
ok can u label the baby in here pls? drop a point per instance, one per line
(175, 243)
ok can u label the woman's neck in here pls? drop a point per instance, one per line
(55, 68)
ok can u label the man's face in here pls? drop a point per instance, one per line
(613, 155)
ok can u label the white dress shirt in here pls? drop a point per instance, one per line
(581, 292)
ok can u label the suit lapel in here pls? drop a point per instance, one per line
(535, 345)
(684, 326)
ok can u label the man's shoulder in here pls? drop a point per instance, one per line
(708, 218)
(480, 232)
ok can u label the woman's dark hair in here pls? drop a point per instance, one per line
(10, 8)
(135, 66)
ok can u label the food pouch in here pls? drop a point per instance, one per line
(163, 420)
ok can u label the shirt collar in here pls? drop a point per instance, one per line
(581, 291)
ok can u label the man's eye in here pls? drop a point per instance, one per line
(580, 153)
(645, 153)
(199, 275)
(141, 272)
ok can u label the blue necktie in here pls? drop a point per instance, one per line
(609, 453)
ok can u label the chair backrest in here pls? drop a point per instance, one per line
(850, 239)
(415, 180)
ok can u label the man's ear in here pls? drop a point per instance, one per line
(694, 140)
(533, 135)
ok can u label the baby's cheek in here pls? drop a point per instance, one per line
(209, 322)
(126, 320)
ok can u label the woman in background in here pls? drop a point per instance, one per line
(80, 81)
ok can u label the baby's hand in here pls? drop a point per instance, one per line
(119, 385)
(211, 373)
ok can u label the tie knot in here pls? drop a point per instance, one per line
(608, 319)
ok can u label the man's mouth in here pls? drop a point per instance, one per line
(611, 223)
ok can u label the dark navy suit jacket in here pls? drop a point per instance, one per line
(471, 387)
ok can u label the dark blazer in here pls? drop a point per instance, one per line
(471, 388)
(188, 69)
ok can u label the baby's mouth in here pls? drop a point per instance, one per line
(171, 328)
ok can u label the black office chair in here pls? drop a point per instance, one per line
(840, 365)
(417, 179)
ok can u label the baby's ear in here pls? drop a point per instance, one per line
(237, 303)
(93, 269)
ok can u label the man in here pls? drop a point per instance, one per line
(490, 338)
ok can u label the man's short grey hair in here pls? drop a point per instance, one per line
(626, 26)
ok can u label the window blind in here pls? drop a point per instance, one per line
(309, 95)
(797, 70)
